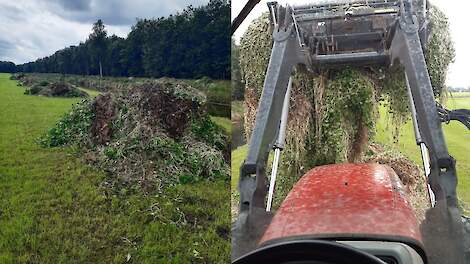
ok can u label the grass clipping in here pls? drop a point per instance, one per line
(332, 115)
(148, 136)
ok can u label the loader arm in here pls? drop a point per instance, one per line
(243, 14)
(286, 53)
(406, 48)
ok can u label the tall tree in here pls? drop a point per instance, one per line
(98, 44)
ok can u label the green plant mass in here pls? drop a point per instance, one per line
(333, 113)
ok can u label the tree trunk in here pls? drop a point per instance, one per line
(101, 74)
(101, 70)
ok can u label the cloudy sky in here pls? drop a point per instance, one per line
(458, 13)
(33, 29)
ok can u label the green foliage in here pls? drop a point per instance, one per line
(189, 163)
(35, 89)
(72, 127)
(238, 88)
(111, 153)
(255, 51)
(349, 105)
(17, 76)
(440, 51)
(56, 89)
(8, 66)
(206, 130)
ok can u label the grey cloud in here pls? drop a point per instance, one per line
(33, 29)
(80, 5)
(9, 12)
(5, 48)
(116, 12)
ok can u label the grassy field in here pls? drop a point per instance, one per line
(457, 137)
(53, 210)
(460, 95)
(92, 93)
(222, 122)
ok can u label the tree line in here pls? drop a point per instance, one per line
(191, 44)
(7, 66)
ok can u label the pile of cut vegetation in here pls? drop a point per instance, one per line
(148, 136)
(38, 85)
(55, 89)
(333, 113)
(17, 76)
(26, 79)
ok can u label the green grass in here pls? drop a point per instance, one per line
(216, 90)
(218, 94)
(460, 94)
(53, 210)
(237, 118)
(457, 138)
(238, 155)
(223, 122)
(237, 108)
(90, 92)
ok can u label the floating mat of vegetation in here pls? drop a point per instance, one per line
(148, 136)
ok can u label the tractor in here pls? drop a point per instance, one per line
(349, 213)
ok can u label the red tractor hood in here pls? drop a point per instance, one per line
(346, 202)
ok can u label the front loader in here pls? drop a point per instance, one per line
(349, 213)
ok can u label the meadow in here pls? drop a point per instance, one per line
(53, 208)
(457, 138)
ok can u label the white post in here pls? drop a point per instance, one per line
(279, 145)
(277, 154)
